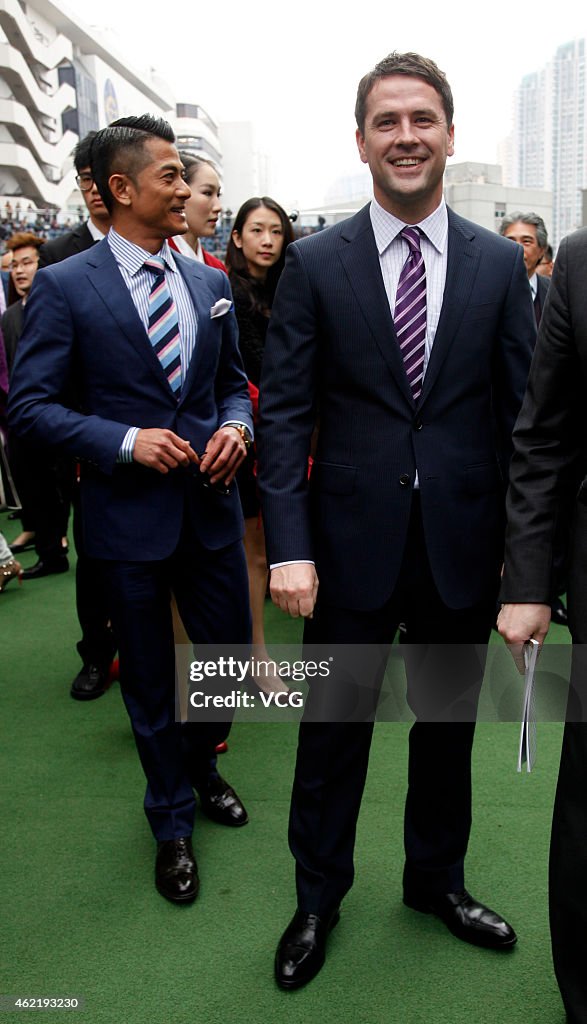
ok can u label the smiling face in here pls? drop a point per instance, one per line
(406, 144)
(150, 206)
(261, 241)
(203, 208)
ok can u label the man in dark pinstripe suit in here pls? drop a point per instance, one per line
(403, 517)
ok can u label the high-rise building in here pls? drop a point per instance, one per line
(60, 79)
(547, 146)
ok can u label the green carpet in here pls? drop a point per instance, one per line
(81, 915)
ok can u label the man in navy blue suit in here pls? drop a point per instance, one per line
(147, 342)
(410, 332)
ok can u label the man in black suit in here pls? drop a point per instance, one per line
(97, 645)
(95, 227)
(403, 517)
(529, 230)
(547, 476)
(37, 476)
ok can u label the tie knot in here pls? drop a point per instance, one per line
(412, 237)
(156, 265)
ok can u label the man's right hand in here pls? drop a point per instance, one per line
(162, 450)
(294, 588)
(518, 623)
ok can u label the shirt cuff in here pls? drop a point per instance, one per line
(126, 449)
(294, 561)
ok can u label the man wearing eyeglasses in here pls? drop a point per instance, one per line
(95, 227)
(44, 513)
(97, 646)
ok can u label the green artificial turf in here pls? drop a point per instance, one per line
(81, 915)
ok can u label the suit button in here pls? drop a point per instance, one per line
(404, 480)
(418, 424)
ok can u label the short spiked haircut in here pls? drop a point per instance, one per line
(120, 149)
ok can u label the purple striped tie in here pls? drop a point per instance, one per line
(164, 324)
(410, 312)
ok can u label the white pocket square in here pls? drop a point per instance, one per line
(220, 308)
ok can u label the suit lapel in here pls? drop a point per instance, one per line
(107, 281)
(82, 239)
(462, 265)
(191, 271)
(360, 259)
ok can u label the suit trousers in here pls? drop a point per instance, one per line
(444, 669)
(97, 645)
(211, 590)
(38, 477)
(568, 846)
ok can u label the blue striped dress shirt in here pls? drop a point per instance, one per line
(130, 259)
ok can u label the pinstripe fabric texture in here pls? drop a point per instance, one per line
(131, 263)
(164, 324)
(130, 259)
(393, 251)
(409, 316)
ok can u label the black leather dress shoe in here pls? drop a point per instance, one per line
(302, 948)
(558, 612)
(467, 919)
(89, 683)
(17, 549)
(41, 568)
(176, 871)
(220, 803)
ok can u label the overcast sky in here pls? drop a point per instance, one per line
(293, 68)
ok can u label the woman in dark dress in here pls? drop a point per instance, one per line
(255, 258)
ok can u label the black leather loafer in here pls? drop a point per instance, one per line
(41, 568)
(302, 948)
(89, 683)
(220, 803)
(467, 919)
(176, 871)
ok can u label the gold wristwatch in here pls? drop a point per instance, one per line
(246, 437)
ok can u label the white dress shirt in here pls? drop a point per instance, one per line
(394, 250)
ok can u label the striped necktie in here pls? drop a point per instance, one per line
(410, 312)
(164, 324)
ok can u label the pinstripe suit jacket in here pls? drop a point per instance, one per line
(81, 327)
(332, 358)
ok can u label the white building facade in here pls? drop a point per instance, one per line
(58, 81)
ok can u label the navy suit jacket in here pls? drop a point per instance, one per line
(332, 358)
(82, 333)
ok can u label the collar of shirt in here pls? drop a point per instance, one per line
(186, 250)
(132, 257)
(95, 232)
(533, 282)
(386, 227)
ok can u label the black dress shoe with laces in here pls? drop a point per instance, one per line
(176, 871)
(90, 682)
(467, 919)
(42, 568)
(302, 948)
(220, 803)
